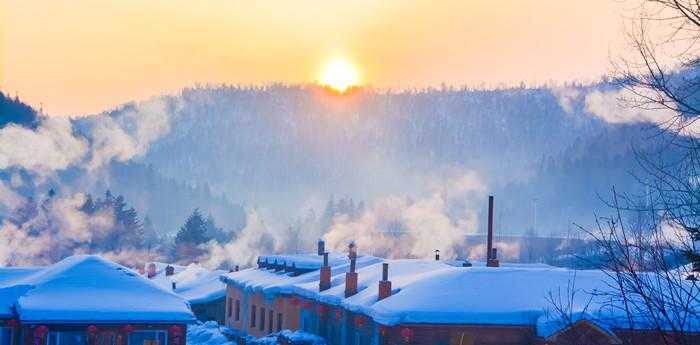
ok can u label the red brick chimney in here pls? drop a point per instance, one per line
(491, 254)
(351, 276)
(384, 284)
(324, 282)
(151, 270)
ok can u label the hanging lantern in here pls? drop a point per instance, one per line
(406, 334)
(92, 329)
(12, 323)
(175, 330)
(128, 329)
(41, 331)
(338, 314)
(359, 321)
(308, 305)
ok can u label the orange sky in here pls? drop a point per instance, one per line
(84, 56)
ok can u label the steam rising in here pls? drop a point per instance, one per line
(55, 228)
(397, 227)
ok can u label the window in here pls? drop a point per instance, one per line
(6, 334)
(271, 319)
(67, 338)
(252, 316)
(228, 307)
(262, 319)
(238, 310)
(147, 337)
(279, 322)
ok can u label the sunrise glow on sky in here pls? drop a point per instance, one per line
(85, 56)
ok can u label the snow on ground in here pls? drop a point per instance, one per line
(90, 288)
(210, 333)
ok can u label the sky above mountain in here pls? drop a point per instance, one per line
(84, 56)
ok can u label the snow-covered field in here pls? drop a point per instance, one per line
(210, 333)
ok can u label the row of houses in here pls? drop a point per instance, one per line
(87, 300)
(364, 300)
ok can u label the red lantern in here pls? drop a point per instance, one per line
(338, 314)
(128, 329)
(406, 334)
(175, 330)
(92, 329)
(41, 331)
(308, 305)
(12, 323)
(359, 321)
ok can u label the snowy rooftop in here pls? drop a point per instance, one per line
(89, 288)
(204, 288)
(427, 291)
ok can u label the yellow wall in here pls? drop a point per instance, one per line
(279, 304)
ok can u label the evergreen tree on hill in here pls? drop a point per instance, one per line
(192, 234)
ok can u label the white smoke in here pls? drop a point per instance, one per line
(255, 239)
(566, 97)
(614, 107)
(57, 227)
(52, 146)
(397, 227)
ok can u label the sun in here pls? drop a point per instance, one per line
(339, 75)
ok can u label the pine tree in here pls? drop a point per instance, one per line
(192, 234)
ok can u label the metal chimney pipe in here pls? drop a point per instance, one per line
(437, 254)
(352, 265)
(385, 271)
(325, 259)
(489, 238)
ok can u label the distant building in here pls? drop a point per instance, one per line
(87, 300)
(207, 296)
(370, 301)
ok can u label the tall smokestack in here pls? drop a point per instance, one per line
(324, 282)
(384, 284)
(321, 247)
(351, 276)
(491, 259)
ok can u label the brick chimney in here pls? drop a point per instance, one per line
(321, 247)
(351, 277)
(384, 284)
(324, 282)
(491, 253)
(151, 270)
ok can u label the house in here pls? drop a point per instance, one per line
(206, 295)
(201, 287)
(86, 299)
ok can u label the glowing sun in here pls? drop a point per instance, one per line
(339, 75)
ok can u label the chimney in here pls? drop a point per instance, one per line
(437, 254)
(174, 286)
(151, 270)
(324, 282)
(236, 268)
(321, 247)
(351, 277)
(491, 254)
(384, 284)
(169, 270)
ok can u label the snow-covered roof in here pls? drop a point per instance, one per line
(205, 288)
(9, 290)
(88, 288)
(304, 261)
(436, 292)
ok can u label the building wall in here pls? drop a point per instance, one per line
(210, 311)
(458, 335)
(284, 309)
(115, 332)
